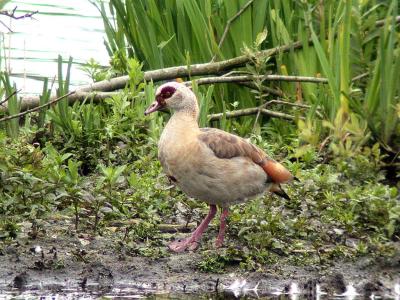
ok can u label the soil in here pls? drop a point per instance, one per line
(62, 261)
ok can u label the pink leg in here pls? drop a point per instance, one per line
(222, 228)
(191, 242)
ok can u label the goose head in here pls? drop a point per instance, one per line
(175, 96)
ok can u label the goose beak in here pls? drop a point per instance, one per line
(153, 107)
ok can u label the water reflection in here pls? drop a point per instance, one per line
(66, 27)
(237, 289)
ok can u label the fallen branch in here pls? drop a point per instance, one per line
(169, 73)
(97, 96)
(36, 108)
(248, 112)
(192, 70)
(244, 78)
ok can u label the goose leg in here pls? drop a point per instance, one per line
(222, 228)
(192, 242)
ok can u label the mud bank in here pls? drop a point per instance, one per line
(61, 263)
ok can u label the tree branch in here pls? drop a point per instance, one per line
(185, 71)
(36, 108)
(266, 89)
(11, 14)
(286, 103)
(250, 111)
(83, 93)
(245, 78)
(8, 97)
(382, 22)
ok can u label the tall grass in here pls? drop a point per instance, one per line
(13, 105)
(168, 33)
(161, 33)
(381, 102)
(62, 113)
(345, 43)
(341, 41)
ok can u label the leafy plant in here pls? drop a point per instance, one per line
(13, 105)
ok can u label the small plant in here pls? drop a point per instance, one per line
(71, 178)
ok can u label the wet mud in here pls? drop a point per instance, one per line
(85, 265)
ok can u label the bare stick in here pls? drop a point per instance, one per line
(382, 22)
(169, 73)
(287, 103)
(7, 98)
(193, 70)
(6, 26)
(267, 89)
(361, 76)
(244, 78)
(36, 108)
(12, 15)
(229, 23)
(249, 111)
(82, 93)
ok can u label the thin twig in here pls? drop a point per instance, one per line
(244, 78)
(36, 108)
(6, 26)
(12, 15)
(287, 103)
(229, 23)
(319, 114)
(361, 76)
(249, 111)
(382, 22)
(7, 98)
(267, 89)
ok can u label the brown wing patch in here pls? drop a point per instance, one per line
(226, 145)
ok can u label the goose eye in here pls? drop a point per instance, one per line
(167, 92)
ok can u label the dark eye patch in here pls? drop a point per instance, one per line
(167, 92)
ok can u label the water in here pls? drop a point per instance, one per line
(66, 27)
(238, 289)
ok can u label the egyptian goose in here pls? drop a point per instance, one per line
(209, 164)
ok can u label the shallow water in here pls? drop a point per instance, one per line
(66, 27)
(238, 289)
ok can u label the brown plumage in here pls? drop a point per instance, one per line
(209, 164)
(226, 145)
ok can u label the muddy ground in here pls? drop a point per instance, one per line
(64, 260)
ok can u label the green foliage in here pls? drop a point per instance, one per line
(62, 113)
(345, 43)
(97, 162)
(13, 105)
(183, 33)
(95, 71)
(334, 211)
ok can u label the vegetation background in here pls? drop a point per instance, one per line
(92, 166)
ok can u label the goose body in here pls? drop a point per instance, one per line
(209, 164)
